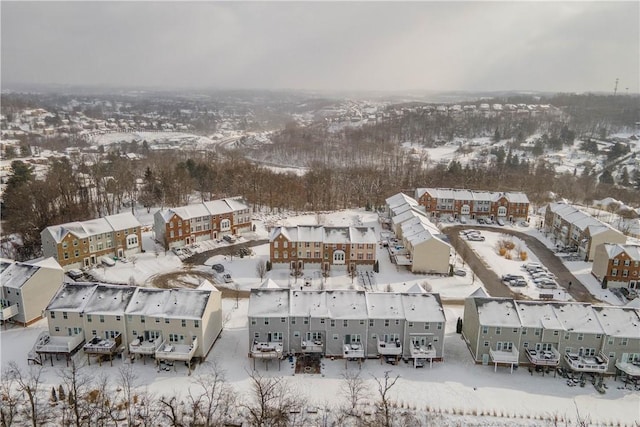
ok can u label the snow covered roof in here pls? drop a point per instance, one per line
(122, 221)
(497, 312)
(475, 195)
(72, 297)
(269, 284)
(94, 227)
(186, 303)
(384, 305)
(622, 322)
(577, 317)
(579, 219)
(347, 304)
(47, 263)
(213, 207)
(400, 199)
(109, 299)
(538, 315)
(408, 215)
(190, 211)
(416, 289)
(319, 233)
(423, 307)
(15, 275)
(479, 293)
(309, 303)
(615, 249)
(147, 302)
(269, 303)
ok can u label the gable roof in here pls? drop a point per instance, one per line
(93, 227)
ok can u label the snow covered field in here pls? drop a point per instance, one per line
(454, 392)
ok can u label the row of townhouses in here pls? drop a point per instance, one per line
(617, 265)
(322, 247)
(186, 225)
(578, 336)
(472, 204)
(105, 320)
(572, 228)
(424, 248)
(82, 244)
(27, 288)
(353, 325)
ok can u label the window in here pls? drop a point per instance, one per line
(256, 335)
(525, 345)
(345, 323)
(536, 332)
(555, 333)
(580, 337)
(485, 329)
(486, 343)
(624, 341)
(57, 328)
(276, 336)
(64, 315)
(305, 320)
(498, 330)
(371, 323)
(614, 272)
(610, 341)
(283, 319)
(333, 323)
(293, 320)
(410, 324)
(141, 319)
(266, 320)
(627, 263)
(616, 262)
(275, 245)
(253, 321)
(157, 320)
(427, 325)
(184, 323)
(386, 323)
(101, 318)
(439, 325)
(515, 330)
(335, 337)
(397, 322)
(322, 320)
(166, 321)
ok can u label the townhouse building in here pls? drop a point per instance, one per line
(322, 247)
(424, 247)
(27, 288)
(82, 244)
(617, 265)
(577, 336)
(353, 325)
(473, 204)
(572, 228)
(186, 225)
(105, 320)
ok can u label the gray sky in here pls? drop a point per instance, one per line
(547, 46)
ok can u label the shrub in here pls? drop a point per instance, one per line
(523, 255)
(502, 251)
(507, 255)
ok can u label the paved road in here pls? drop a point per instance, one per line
(491, 280)
(201, 257)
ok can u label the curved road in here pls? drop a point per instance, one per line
(492, 282)
(201, 257)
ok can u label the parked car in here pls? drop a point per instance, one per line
(480, 221)
(519, 283)
(218, 268)
(227, 278)
(500, 222)
(531, 266)
(463, 220)
(459, 272)
(107, 261)
(475, 238)
(229, 238)
(524, 223)
(177, 251)
(628, 293)
(75, 274)
(548, 284)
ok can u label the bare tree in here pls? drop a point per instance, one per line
(77, 383)
(11, 399)
(171, 410)
(272, 403)
(355, 390)
(214, 397)
(261, 269)
(127, 382)
(385, 418)
(31, 384)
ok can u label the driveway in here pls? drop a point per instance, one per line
(491, 280)
(200, 257)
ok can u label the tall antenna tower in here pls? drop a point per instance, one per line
(615, 89)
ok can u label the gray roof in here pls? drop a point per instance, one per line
(472, 195)
(15, 275)
(72, 297)
(109, 299)
(269, 302)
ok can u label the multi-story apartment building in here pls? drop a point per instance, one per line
(81, 244)
(473, 204)
(353, 325)
(105, 320)
(185, 225)
(617, 265)
(322, 247)
(27, 288)
(578, 336)
(423, 248)
(572, 228)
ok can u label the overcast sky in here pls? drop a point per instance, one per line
(550, 46)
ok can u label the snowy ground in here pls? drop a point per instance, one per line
(475, 394)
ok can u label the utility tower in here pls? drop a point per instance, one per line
(615, 89)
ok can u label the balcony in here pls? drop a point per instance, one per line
(8, 311)
(353, 351)
(149, 347)
(266, 350)
(580, 363)
(312, 346)
(58, 344)
(176, 352)
(100, 346)
(543, 357)
(504, 357)
(418, 351)
(391, 348)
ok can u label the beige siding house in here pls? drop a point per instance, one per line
(27, 288)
